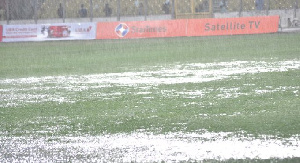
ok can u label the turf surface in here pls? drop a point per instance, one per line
(260, 103)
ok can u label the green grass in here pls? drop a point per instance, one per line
(158, 109)
(88, 57)
(275, 113)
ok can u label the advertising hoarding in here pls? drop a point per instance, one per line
(141, 29)
(232, 26)
(1, 30)
(43, 32)
(187, 27)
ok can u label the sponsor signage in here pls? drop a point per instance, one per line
(232, 26)
(42, 32)
(1, 30)
(19, 32)
(140, 29)
(187, 27)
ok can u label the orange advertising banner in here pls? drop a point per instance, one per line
(1, 33)
(187, 27)
(232, 26)
(141, 29)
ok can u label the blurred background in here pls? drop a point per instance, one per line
(61, 11)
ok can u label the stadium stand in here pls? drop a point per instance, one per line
(128, 7)
(49, 8)
(282, 4)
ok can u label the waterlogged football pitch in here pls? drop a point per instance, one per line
(230, 98)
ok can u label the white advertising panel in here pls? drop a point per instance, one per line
(43, 32)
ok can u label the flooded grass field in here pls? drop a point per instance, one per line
(232, 98)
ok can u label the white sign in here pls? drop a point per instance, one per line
(43, 32)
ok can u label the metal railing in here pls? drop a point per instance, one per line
(115, 10)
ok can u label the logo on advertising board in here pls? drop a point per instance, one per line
(122, 30)
(56, 31)
(83, 29)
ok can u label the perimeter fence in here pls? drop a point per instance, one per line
(116, 10)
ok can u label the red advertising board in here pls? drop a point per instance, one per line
(232, 26)
(1, 31)
(187, 27)
(141, 29)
